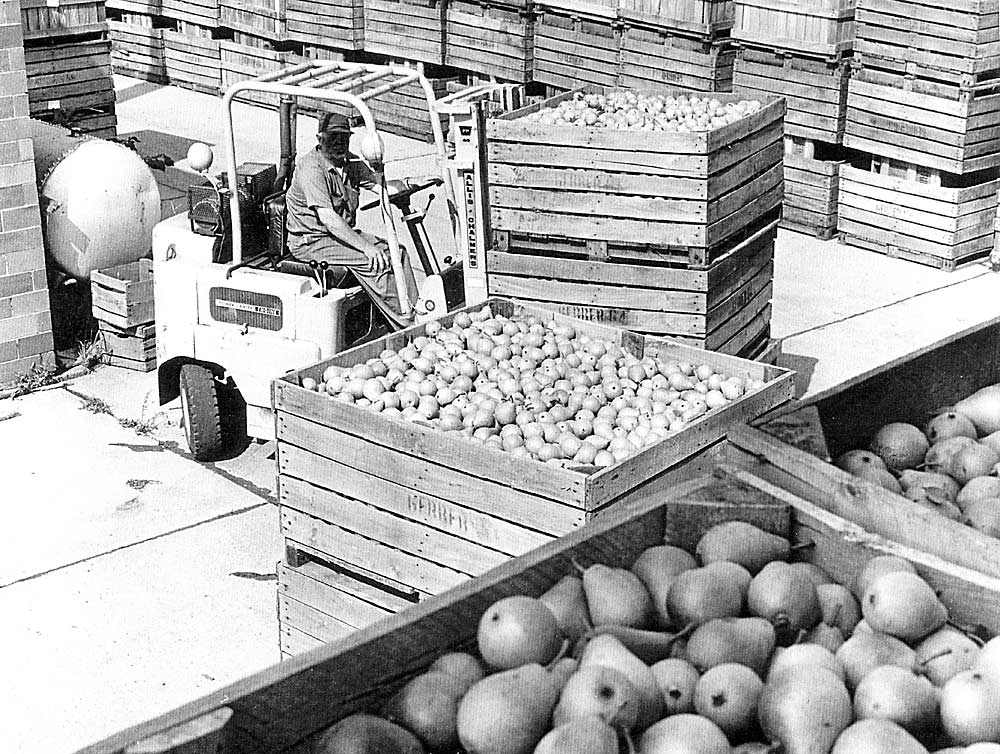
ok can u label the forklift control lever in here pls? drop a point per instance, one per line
(401, 198)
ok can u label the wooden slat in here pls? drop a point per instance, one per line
(314, 585)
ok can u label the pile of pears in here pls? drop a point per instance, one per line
(950, 465)
(730, 650)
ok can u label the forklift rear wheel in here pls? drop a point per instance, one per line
(201, 414)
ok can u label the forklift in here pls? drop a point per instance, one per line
(235, 310)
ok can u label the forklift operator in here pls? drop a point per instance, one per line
(322, 202)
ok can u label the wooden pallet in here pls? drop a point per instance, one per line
(50, 19)
(703, 18)
(923, 122)
(716, 309)
(958, 42)
(339, 24)
(405, 111)
(129, 348)
(204, 13)
(492, 40)
(264, 18)
(656, 56)
(575, 47)
(407, 29)
(137, 50)
(122, 296)
(654, 192)
(935, 225)
(193, 61)
(818, 27)
(815, 90)
(811, 189)
(69, 75)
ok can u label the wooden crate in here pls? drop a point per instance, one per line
(941, 126)
(641, 195)
(936, 225)
(204, 13)
(69, 76)
(723, 308)
(130, 348)
(654, 55)
(240, 62)
(811, 189)
(147, 7)
(276, 709)
(704, 18)
(815, 90)
(193, 61)
(958, 42)
(410, 29)
(419, 511)
(493, 40)
(123, 296)
(339, 24)
(137, 50)
(819, 27)
(264, 18)
(49, 19)
(574, 47)
(405, 111)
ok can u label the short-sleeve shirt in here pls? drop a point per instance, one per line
(317, 183)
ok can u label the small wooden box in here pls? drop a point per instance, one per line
(130, 348)
(409, 29)
(574, 46)
(123, 296)
(811, 190)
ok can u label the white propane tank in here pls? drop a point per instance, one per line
(99, 201)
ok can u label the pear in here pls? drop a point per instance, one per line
(749, 641)
(427, 706)
(727, 695)
(862, 628)
(900, 445)
(816, 574)
(461, 665)
(893, 693)
(616, 596)
(883, 479)
(949, 424)
(939, 456)
(993, 440)
(877, 737)
(804, 709)
(903, 605)
(826, 636)
(785, 597)
(978, 488)
(743, 543)
(586, 735)
(877, 566)
(568, 603)
(982, 408)
(657, 567)
(948, 487)
(507, 712)
(969, 709)
(984, 516)
(676, 679)
(944, 654)
(839, 607)
(854, 461)
(754, 747)
(684, 734)
(988, 659)
(562, 670)
(981, 747)
(598, 691)
(608, 651)
(367, 734)
(972, 461)
(701, 594)
(805, 655)
(516, 631)
(733, 572)
(864, 652)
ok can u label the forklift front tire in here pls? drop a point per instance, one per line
(201, 414)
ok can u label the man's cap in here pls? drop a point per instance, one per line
(334, 123)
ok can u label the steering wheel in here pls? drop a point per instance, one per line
(403, 195)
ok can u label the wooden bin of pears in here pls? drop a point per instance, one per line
(380, 513)
(281, 709)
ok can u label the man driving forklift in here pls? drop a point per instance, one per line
(322, 204)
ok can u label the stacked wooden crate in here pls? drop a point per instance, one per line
(68, 60)
(684, 44)
(923, 104)
(801, 51)
(405, 111)
(493, 39)
(576, 43)
(247, 56)
(339, 24)
(662, 233)
(379, 513)
(409, 29)
(137, 46)
(192, 57)
(122, 304)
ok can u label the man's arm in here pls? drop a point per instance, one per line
(344, 233)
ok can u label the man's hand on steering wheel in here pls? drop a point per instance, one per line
(378, 259)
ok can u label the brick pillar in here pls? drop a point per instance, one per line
(25, 319)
